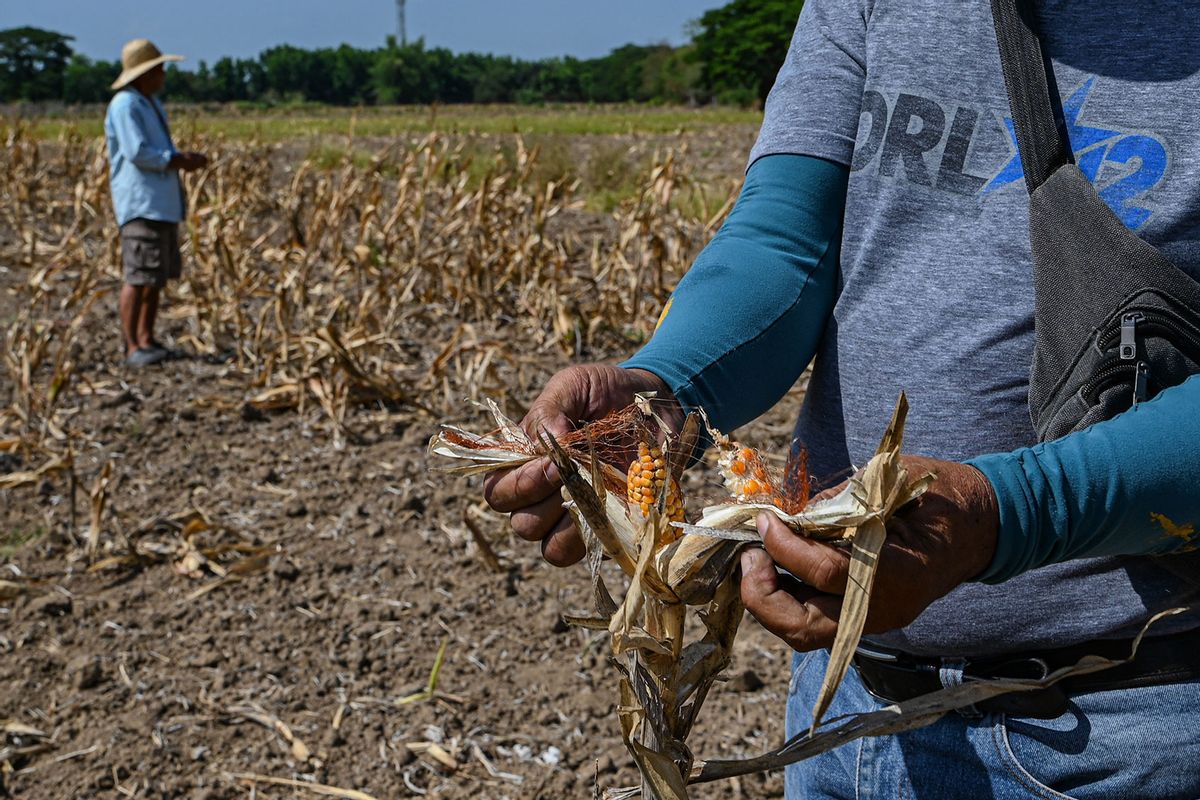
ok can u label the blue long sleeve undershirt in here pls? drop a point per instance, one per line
(1126, 486)
(746, 319)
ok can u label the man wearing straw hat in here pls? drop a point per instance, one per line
(147, 194)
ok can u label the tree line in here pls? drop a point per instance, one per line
(733, 55)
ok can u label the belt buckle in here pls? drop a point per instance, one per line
(866, 651)
(1016, 668)
(1047, 703)
(889, 677)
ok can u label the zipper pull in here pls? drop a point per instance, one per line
(1140, 382)
(1129, 334)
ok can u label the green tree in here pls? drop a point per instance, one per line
(616, 77)
(679, 78)
(400, 74)
(734, 55)
(347, 73)
(289, 72)
(184, 85)
(87, 81)
(229, 80)
(741, 45)
(32, 63)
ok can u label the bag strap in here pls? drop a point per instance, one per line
(1040, 139)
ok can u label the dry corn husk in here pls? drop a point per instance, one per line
(673, 566)
(856, 515)
(663, 678)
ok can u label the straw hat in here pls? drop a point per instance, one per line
(137, 58)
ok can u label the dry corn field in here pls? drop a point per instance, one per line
(237, 575)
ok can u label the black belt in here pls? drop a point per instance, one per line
(894, 677)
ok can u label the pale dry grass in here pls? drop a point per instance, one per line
(405, 282)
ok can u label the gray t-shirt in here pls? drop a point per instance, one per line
(936, 279)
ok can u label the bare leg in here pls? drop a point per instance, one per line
(131, 310)
(149, 316)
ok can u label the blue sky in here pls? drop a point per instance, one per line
(209, 29)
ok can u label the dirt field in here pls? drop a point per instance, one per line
(269, 590)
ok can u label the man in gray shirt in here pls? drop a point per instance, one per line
(883, 229)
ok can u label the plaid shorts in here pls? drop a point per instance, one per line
(150, 252)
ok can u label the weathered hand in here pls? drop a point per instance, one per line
(943, 538)
(530, 493)
(188, 162)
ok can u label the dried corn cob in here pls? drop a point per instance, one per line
(747, 476)
(647, 475)
(665, 677)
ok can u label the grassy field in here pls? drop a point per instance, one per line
(290, 124)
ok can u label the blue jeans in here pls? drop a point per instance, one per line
(1139, 743)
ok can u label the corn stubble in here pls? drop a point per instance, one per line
(392, 284)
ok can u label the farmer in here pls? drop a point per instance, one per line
(883, 228)
(147, 194)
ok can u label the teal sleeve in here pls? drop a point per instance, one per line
(1126, 486)
(744, 322)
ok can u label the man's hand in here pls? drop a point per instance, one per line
(530, 492)
(941, 539)
(187, 162)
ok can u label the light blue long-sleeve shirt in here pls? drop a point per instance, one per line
(139, 150)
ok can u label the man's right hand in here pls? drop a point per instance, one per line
(188, 161)
(530, 493)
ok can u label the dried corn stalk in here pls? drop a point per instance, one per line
(857, 516)
(671, 564)
(330, 286)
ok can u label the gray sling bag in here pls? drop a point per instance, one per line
(1115, 321)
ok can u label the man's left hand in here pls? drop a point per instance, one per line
(938, 541)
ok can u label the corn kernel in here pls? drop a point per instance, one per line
(647, 474)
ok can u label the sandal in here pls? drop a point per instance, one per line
(145, 357)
